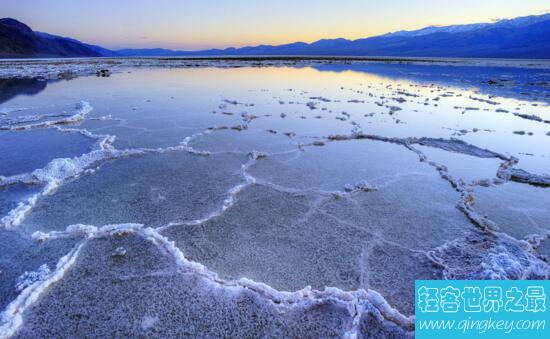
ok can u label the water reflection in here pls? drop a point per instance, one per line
(518, 83)
(10, 88)
(490, 107)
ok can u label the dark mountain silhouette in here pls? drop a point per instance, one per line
(523, 37)
(98, 49)
(19, 40)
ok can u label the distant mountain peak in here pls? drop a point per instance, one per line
(514, 22)
(15, 24)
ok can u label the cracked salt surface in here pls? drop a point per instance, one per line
(518, 209)
(21, 257)
(543, 249)
(354, 183)
(300, 240)
(470, 169)
(44, 145)
(333, 166)
(243, 142)
(12, 195)
(148, 281)
(153, 189)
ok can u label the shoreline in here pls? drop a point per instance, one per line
(74, 67)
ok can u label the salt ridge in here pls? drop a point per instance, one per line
(357, 302)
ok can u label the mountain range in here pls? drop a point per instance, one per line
(19, 40)
(522, 37)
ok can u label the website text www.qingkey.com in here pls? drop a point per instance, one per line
(482, 326)
(448, 309)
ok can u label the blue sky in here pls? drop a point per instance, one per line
(216, 23)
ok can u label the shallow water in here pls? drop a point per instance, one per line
(225, 187)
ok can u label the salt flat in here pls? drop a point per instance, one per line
(264, 197)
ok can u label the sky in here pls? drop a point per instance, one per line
(202, 24)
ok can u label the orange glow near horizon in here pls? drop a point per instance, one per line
(190, 25)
